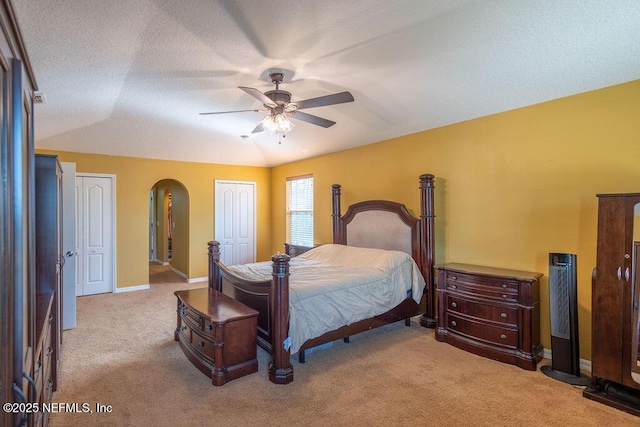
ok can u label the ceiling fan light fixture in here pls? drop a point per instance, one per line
(277, 123)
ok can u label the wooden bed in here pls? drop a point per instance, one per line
(372, 224)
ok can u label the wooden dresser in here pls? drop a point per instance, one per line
(491, 312)
(217, 334)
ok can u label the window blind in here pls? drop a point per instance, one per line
(300, 210)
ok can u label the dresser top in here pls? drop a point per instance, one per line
(490, 271)
(216, 306)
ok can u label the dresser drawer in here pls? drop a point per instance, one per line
(507, 315)
(203, 345)
(503, 336)
(209, 329)
(191, 318)
(499, 290)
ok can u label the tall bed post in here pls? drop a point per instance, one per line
(427, 246)
(335, 214)
(280, 368)
(215, 280)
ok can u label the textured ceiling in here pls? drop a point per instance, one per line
(129, 77)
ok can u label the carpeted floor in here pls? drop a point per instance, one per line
(122, 354)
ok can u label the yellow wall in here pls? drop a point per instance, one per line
(134, 179)
(510, 187)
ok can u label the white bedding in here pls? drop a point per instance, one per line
(336, 285)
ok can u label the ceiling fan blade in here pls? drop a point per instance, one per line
(258, 128)
(259, 96)
(236, 111)
(336, 98)
(319, 121)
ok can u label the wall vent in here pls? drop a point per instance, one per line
(39, 98)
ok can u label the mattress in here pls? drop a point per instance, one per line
(335, 285)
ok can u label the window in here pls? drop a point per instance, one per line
(300, 210)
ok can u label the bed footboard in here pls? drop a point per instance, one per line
(269, 298)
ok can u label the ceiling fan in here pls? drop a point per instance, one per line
(278, 103)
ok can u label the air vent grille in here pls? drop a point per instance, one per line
(39, 98)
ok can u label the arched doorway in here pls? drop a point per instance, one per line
(169, 230)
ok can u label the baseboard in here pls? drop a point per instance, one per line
(198, 279)
(179, 273)
(133, 288)
(585, 365)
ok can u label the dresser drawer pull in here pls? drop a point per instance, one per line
(201, 344)
(503, 315)
(454, 304)
(209, 328)
(503, 336)
(182, 328)
(504, 285)
(51, 318)
(49, 351)
(454, 278)
(454, 323)
(504, 296)
(453, 287)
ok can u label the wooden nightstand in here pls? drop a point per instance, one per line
(217, 334)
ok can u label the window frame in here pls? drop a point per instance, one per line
(289, 211)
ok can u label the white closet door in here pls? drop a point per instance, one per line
(95, 231)
(235, 221)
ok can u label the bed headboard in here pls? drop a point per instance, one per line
(380, 224)
(385, 224)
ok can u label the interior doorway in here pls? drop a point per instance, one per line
(169, 227)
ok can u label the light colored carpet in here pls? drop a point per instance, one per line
(122, 354)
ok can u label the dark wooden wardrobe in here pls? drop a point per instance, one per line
(29, 293)
(614, 313)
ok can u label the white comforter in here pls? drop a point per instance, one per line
(336, 285)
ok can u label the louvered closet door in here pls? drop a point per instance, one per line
(235, 221)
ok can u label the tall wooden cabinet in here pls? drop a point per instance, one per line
(48, 286)
(27, 314)
(614, 307)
